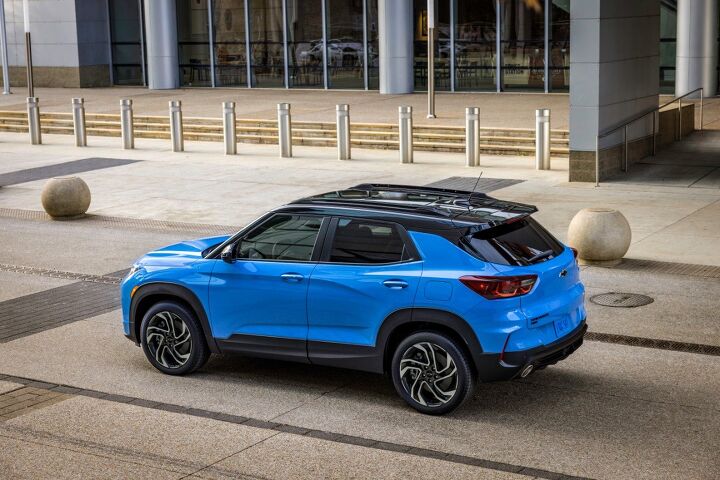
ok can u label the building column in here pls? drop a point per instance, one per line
(161, 44)
(697, 46)
(614, 64)
(395, 38)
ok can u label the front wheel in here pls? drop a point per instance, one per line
(432, 373)
(172, 339)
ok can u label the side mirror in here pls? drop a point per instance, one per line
(227, 255)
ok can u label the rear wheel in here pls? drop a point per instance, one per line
(172, 339)
(432, 373)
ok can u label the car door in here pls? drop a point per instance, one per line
(258, 303)
(368, 270)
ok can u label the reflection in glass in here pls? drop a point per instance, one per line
(266, 43)
(442, 45)
(345, 50)
(229, 43)
(523, 46)
(305, 43)
(373, 45)
(560, 45)
(125, 41)
(193, 42)
(475, 49)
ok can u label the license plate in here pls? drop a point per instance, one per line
(562, 326)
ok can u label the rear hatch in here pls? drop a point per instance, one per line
(554, 306)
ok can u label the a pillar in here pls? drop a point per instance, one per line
(395, 32)
(161, 44)
(697, 46)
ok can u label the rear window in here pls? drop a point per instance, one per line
(524, 242)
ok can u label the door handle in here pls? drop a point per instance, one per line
(292, 277)
(395, 284)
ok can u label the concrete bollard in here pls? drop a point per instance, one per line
(343, 131)
(472, 136)
(601, 236)
(33, 111)
(542, 139)
(284, 130)
(65, 197)
(78, 106)
(176, 126)
(229, 132)
(126, 124)
(405, 128)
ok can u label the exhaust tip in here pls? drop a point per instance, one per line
(526, 371)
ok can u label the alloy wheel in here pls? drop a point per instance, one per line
(168, 340)
(428, 374)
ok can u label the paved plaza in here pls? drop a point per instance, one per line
(640, 399)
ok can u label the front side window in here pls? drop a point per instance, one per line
(362, 241)
(282, 237)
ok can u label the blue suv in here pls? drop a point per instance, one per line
(440, 288)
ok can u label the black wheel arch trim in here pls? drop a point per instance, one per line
(376, 358)
(170, 290)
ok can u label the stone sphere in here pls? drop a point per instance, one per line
(600, 235)
(65, 197)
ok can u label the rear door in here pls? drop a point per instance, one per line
(368, 270)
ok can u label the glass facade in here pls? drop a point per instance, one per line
(229, 43)
(481, 45)
(475, 45)
(193, 43)
(126, 42)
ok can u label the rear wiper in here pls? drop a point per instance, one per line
(540, 256)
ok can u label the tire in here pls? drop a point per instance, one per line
(178, 350)
(425, 385)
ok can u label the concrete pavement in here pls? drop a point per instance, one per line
(609, 411)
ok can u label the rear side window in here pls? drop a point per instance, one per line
(520, 243)
(361, 241)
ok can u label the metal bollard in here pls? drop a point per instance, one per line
(542, 139)
(33, 110)
(405, 129)
(78, 106)
(472, 136)
(176, 126)
(284, 130)
(229, 133)
(126, 124)
(343, 131)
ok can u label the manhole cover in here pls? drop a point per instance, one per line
(624, 300)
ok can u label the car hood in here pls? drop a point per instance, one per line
(186, 249)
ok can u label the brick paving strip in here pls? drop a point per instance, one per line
(53, 393)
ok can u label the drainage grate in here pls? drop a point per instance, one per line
(60, 169)
(622, 300)
(468, 183)
(110, 279)
(29, 314)
(671, 268)
(700, 348)
(129, 223)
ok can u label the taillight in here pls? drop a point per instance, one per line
(575, 252)
(493, 288)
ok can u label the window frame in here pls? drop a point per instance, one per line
(316, 249)
(414, 255)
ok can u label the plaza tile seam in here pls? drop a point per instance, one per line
(294, 430)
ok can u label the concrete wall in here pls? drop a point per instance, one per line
(614, 62)
(70, 42)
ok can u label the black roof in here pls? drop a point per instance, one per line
(456, 207)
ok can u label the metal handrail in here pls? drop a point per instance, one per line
(634, 119)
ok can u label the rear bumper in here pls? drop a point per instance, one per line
(492, 368)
